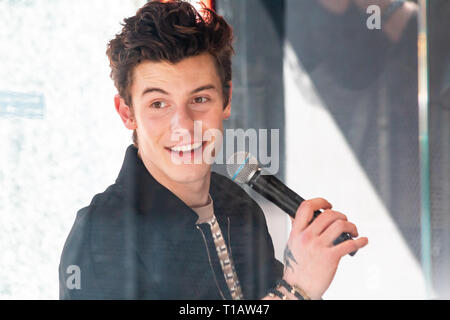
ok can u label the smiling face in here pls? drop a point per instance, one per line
(168, 99)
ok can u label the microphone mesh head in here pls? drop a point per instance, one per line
(241, 166)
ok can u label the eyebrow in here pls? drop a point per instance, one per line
(206, 87)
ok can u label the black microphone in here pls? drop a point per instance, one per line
(242, 167)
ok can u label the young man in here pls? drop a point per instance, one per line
(170, 229)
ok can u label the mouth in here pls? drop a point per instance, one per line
(187, 149)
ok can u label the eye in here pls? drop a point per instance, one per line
(200, 100)
(159, 105)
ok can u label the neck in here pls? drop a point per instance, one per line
(192, 193)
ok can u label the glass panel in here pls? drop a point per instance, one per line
(352, 100)
(57, 125)
(359, 91)
(438, 26)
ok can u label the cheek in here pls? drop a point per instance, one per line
(214, 118)
(213, 124)
(150, 131)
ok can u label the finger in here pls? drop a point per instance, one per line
(336, 229)
(324, 220)
(306, 210)
(349, 246)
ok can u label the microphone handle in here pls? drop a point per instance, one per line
(277, 192)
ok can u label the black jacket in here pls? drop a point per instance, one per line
(137, 240)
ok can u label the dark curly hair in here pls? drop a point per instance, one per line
(169, 31)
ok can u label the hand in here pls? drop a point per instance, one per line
(310, 259)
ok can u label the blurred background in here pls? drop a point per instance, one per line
(342, 90)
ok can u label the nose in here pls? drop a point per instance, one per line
(182, 124)
(182, 118)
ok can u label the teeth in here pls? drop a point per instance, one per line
(187, 147)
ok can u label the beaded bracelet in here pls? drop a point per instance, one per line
(297, 292)
(274, 292)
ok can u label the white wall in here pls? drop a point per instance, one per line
(51, 167)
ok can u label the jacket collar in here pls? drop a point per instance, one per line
(150, 197)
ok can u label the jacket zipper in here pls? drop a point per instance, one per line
(210, 263)
(229, 247)
(229, 239)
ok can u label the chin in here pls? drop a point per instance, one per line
(188, 173)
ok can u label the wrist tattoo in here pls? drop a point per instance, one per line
(288, 258)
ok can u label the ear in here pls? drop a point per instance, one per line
(227, 110)
(125, 113)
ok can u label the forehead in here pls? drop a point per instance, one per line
(188, 73)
